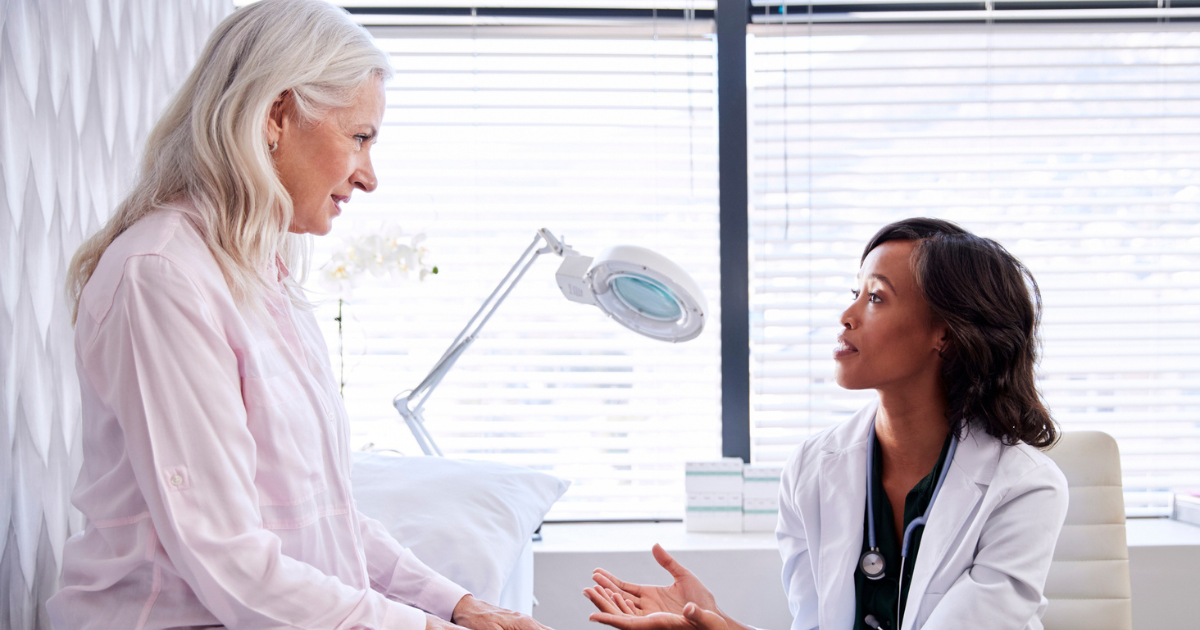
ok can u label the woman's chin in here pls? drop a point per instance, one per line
(847, 381)
(316, 228)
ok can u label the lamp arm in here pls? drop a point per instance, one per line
(410, 404)
(488, 303)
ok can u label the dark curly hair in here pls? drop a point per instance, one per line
(991, 306)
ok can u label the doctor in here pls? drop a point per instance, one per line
(932, 507)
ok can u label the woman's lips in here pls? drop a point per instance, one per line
(338, 200)
(843, 349)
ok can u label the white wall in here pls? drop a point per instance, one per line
(81, 83)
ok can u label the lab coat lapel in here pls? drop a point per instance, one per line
(958, 499)
(843, 507)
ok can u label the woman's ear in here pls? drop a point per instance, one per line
(941, 334)
(278, 116)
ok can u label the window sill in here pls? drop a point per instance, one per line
(626, 537)
(1161, 532)
(623, 537)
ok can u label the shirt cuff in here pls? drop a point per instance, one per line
(398, 616)
(440, 596)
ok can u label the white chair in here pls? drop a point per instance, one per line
(1088, 586)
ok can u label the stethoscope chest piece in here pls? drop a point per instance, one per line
(871, 564)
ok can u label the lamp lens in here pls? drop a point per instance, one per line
(647, 297)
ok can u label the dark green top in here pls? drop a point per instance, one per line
(878, 597)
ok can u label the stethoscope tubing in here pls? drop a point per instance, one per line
(912, 526)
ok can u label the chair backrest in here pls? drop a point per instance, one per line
(1088, 586)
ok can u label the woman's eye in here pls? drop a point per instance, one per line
(873, 298)
(855, 293)
(360, 139)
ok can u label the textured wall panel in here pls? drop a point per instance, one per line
(81, 83)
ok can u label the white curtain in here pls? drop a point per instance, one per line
(81, 84)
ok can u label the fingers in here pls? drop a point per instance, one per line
(604, 600)
(659, 621)
(627, 589)
(667, 562)
(703, 619)
(607, 581)
(626, 606)
(617, 621)
(615, 584)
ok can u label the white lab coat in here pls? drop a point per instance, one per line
(984, 555)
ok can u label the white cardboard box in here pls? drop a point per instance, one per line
(759, 514)
(714, 512)
(1187, 509)
(761, 481)
(714, 477)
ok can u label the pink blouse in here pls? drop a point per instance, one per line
(216, 469)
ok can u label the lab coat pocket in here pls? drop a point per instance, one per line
(289, 438)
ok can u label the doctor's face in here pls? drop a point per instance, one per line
(889, 336)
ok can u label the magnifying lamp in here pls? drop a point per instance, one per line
(640, 289)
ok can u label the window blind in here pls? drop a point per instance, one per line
(1075, 146)
(490, 135)
(988, 11)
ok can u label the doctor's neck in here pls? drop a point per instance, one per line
(911, 425)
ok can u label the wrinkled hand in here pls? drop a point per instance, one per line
(646, 600)
(433, 622)
(479, 615)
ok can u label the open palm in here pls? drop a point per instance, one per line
(646, 600)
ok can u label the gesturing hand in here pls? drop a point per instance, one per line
(645, 600)
(620, 616)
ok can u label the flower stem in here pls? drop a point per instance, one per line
(341, 354)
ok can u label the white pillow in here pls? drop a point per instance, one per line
(467, 520)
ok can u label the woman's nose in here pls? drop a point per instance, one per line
(364, 177)
(848, 318)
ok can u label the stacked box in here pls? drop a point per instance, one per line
(761, 481)
(1187, 509)
(721, 476)
(759, 514)
(714, 512)
(714, 495)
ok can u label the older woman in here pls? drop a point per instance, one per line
(932, 507)
(216, 469)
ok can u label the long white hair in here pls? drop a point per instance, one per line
(209, 147)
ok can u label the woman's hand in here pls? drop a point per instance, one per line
(646, 600)
(480, 615)
(693, 618)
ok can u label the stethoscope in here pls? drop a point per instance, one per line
(871, 562)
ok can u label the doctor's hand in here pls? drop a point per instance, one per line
(477, 614)
(645, 600)
(638, 600)
(693, 618)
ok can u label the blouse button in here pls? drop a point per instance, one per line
(176, 480)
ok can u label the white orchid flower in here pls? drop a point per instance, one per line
(383, 253)
(337, 277)
(374, 255)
